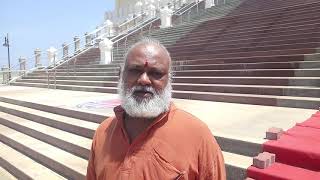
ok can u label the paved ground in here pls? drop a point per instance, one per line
(225, 119)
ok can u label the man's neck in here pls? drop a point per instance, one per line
(135, 126)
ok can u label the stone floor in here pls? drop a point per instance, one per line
(248, 122)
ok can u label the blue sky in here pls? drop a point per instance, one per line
(41, 23)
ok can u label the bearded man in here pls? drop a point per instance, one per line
(149, 138)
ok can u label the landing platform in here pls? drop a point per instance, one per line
(236, 121)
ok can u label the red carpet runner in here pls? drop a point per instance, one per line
(297, 154)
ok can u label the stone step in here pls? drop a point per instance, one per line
(311, 72)
(226, 50)
(291, 15)
(211, 66)
(276, 52)
(271, 81)
(287, 39)
(72, 125)
(62, 139)
(5, 175)
(21, 166)
(236, 165)
(65, 164)
(296, 91)
(301, 91)
(252, 72)
(293, 28)
(268, 100)
(223, 60)
(84, 78)
(86, 116)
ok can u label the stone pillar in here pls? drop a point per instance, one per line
(98, 33)
(165, 16)
(22, 62)
(88, 39)
(65, 51)
(76, 41)
(151, 11)
(209, 3)
(109, 30)
(5, 75)
(37, 56)
(138, 7)
(105, 47)
(52, 55)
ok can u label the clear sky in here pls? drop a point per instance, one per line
(42, 23)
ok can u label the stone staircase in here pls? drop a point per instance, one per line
(255, 52)
(54, 142)
(265, 56)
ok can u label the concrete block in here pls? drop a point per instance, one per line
(261, 161)
(272, 157)
(274, 133)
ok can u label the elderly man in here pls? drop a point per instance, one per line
(149, 138)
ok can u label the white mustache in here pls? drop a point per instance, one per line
(143, 88)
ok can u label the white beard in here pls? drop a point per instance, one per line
(148, 107)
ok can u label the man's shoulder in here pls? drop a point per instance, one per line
(110, 121)
(187, 120)
(186, 117)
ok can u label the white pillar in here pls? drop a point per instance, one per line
(52, 55)
(138, 8)
(37, 56)
(151, 11)
(22, 62)
(65, 52)
(209, 3)
(5, 74)
(76, 41)
(165, 16)
(109, 29)
(105, 47)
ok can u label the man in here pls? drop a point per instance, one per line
(149, 138)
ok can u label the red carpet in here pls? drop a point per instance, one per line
(280, 171)
(297, 153)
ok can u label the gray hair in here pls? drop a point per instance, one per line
(145, 41)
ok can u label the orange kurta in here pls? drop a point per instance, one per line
(175, 146)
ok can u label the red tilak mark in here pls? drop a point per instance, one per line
(146, 64)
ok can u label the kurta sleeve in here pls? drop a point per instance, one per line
(211, 164)
(91, 174)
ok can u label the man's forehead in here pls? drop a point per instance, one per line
(147, 54)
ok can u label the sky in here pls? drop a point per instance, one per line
(41, 24)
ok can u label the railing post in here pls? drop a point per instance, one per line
(76, 41)
(37, 56)
(88, 39)
(22, 62)
(52, 53)
(166, 17)
(209, 4)
(105, 47)
(5, 75)
(65, 52)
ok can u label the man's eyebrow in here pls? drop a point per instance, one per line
(135, 66)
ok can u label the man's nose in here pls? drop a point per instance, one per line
(144, 79)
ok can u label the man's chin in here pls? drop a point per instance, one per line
(142, 97)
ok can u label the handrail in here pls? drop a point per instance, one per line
(140, 15)
(195, 4)
(182, 8)
(154, 19)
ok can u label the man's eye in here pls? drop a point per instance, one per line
(156, 74)
(134, 71)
